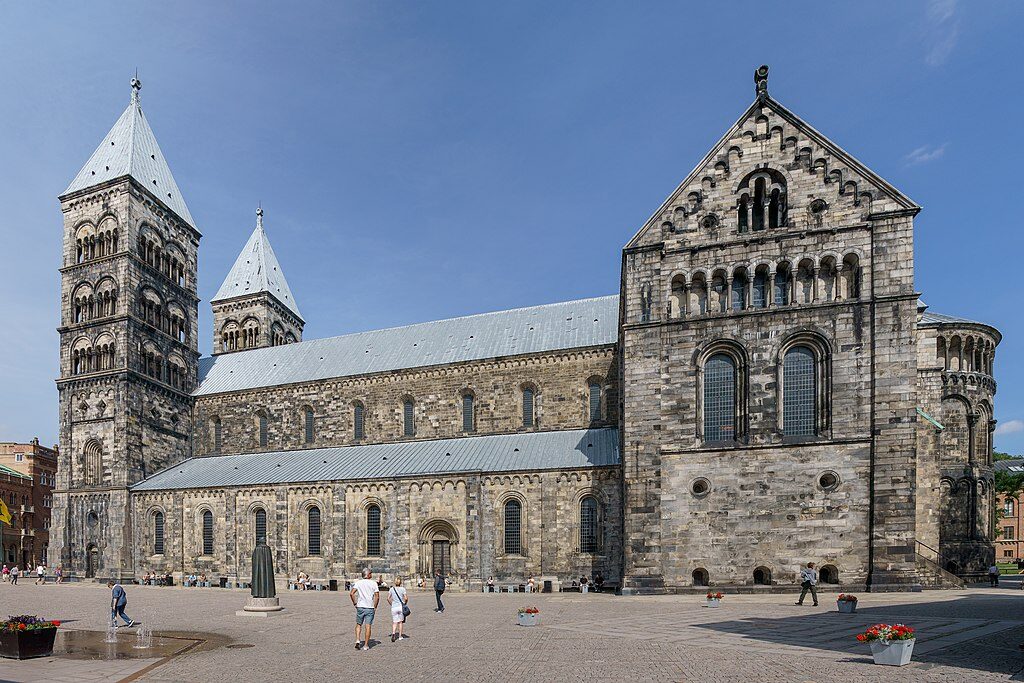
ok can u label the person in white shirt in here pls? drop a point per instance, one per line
(365, 597)
(40, 575)
(398, 598)
(808, 581)
(993, 576)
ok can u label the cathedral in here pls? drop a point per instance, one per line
(767, 389)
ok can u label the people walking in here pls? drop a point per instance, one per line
(808, 581)
(59, 573)
(993, 576)
(15, 572)
(439, 586)
(398, 598)
(6, 572)
(40, 575)
(118, 601)
(365, 597)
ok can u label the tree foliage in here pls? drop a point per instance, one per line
(1010, 483)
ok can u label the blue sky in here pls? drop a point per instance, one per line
(424, 160)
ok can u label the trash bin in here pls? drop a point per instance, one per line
(223, 582)
(332, 585)
(547, 587)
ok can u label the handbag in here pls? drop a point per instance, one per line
(405, 608)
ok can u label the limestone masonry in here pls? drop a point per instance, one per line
(767, 389)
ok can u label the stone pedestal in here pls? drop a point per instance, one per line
(259, 607)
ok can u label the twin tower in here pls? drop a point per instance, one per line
(129, 334)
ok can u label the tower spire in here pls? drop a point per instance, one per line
(136, 87)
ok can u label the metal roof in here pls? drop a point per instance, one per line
(1014, 465)
(4, 469)
(939, 318)
(569, 449)
(257, 270)
(130, 148)
(566, 325)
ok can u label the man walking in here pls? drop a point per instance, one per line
(365, 597)
(439, 586)
(808, 581)
(993, 576)
(15, 572)
(40, 575)
(118, 601)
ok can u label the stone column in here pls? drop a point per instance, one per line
(770, 295)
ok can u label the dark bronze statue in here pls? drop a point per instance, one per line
(262, 573)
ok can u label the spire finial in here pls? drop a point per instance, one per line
(259, 216)
(136, 87)
(761, 81)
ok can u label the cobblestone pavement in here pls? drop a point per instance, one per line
(971, 635)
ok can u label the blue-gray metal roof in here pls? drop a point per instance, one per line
(570, 449)
(928, 318)
(566, 325)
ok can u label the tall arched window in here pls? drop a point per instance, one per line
(594, 403)
(467, 412)
(307, 423)
(158, 533)
(260, 522)
(358, 416)
(528, 416)
(207, 533)
(373, 544)
(262, 420)
(408, 418)
(218, 434)
(782, 277)
(1008, 506)
(739, 292)
(759, 292)
(799, 392)
(589, 529)
(513, 529)
(93, 463)
(313, 529)
(720, 398)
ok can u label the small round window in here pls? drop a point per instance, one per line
(92, 519)
(818, 207)
(828, 481)
(700, 487)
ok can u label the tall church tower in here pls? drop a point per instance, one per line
(128, 347)
(254, 308)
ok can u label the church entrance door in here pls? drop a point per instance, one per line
(442, 560)
(92, 558)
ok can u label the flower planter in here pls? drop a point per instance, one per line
(846, 606)
(714, 602)
(526, 619)
(26, 644)
(892, 652)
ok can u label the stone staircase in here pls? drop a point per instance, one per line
(931, 572)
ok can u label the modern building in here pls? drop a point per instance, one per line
(766, 389)
(1009, 545)
(28, 474)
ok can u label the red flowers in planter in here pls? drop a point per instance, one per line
(846, 597)
(886, 632)
(26, 622)
(715, 596)
(529, 610)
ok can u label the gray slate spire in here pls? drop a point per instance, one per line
(130, 148)
(256, 270)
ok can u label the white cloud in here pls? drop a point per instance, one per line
(924, 154)
(1010, 427)
(942, 31)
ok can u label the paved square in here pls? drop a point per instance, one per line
(970, 635)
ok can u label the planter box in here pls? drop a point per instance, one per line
(892, 653)
(27, 644)
(528, 619)
(714, 602)
(846, 607)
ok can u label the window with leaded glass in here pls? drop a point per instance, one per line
(589, 530)
(357, 421)
(594, 390)
(409, 418)
(158, 533)
(218, 434)
(313, 529)
(261, 526)
(739, 293)
(798, 392)
(307, 419)
(720, 398)
(527, 407)
(759, 294)
(513, 530)
(264, 429)
(373, 545)
(467, 412)
(207, 533)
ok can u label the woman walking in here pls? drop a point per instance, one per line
(398, 598)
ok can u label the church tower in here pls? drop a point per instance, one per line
(254, 308)
(128, 347)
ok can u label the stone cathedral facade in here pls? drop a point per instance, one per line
(766, 389)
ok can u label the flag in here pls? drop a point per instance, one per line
(5, 514)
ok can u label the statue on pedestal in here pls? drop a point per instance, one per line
(262, 590)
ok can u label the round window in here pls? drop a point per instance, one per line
(818, 207)
(92, 519)
(828, 480)
(700, 487)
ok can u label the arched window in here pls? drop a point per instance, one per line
(313, 529)
(799, 392)
(262, 421)
(307, 420)
(408, 418)
(700, 577)
(93, 463)
(358, 416)
(260, 522)
(720, 398)
(759, 292)
(1008, 507)
(594, 391)
(763, 576)
(528, 407)
(589, 525)
(513, 530)
(218, 434)
(782, 277)
(207, 533)
(158, 533)
(467, 412)
(373, 544)
(739, 291)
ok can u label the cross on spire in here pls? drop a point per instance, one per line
(259, 217)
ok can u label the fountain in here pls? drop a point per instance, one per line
(111, 634)
(143, 638)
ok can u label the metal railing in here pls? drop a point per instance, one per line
(935, 560)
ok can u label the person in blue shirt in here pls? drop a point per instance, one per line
(118, 601)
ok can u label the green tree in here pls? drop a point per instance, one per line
(1009, 483)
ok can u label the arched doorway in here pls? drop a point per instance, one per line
(92, 561)
(438, 540)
